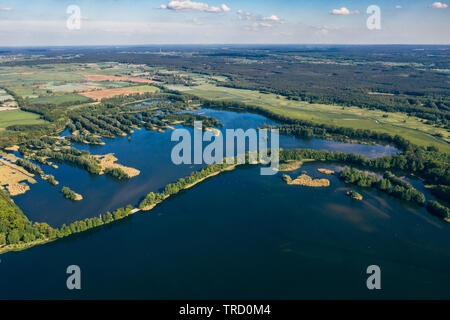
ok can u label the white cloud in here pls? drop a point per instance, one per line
(94, 32)
(265, 25)
(245, 15)
(398, 7)
(271, 18)
(438, 5)
(187, 5)
(343, 11)
(54, 32)
(242, 15)
(257, 26)
(5, 9)
(258, 22)
(323, 30)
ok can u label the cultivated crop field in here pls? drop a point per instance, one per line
(74, 84)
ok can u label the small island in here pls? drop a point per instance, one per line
(110, 167)
(305, 180)
(71, 195)
(51, 179)
(354, 195)
(325, 171)
(291, 165)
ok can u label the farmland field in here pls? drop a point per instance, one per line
(146, 88)
(97, 77)
(60, 99)
(74, 84)
(108, 93)
(13, 117)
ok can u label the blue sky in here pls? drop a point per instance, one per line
(120, 22)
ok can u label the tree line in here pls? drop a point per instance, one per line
(389, 184)
(431, 166)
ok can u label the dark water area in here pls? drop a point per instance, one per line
(149, 152)
(243, 120)
(241, 235)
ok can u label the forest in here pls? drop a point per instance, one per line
(389, 184)
(15, 226)
(389, 78)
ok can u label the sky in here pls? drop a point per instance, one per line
(140, 22)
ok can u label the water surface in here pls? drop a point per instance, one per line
(149, 152)
(239, 235)
(245, 236)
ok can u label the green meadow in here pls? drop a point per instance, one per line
(393, 123)
(145, 88)
(13, 117)
(60, 99)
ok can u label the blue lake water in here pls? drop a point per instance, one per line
(150, 152)
(237, 235)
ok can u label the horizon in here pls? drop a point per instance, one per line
(156, 45)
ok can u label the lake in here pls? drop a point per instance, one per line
(148, 151)
(239, 235)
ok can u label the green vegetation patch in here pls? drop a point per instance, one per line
(70, 194)
(68, 87)
(14, 225)
(19, 117)
(71, 98)
(146, 88)
(410, 128)
(389, 184)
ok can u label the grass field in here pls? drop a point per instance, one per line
(108, 93)
(59, 99)
(410, 128)
(12, 117)
(146, 88)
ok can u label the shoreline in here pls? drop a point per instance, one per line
(24, 246)
(229, 168)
